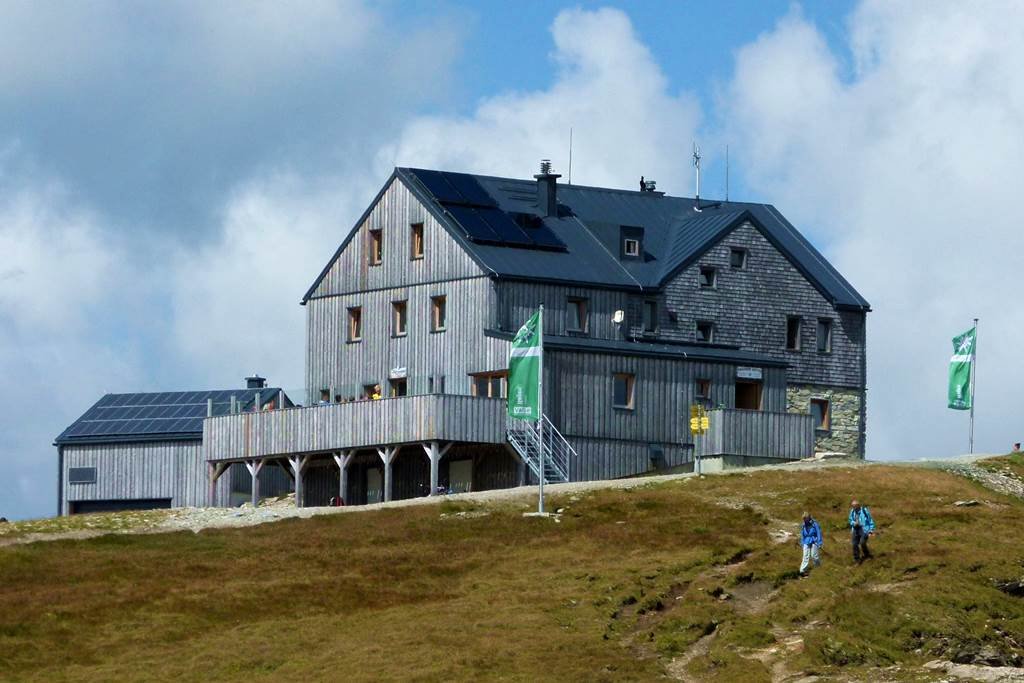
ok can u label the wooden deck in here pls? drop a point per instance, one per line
(358, 425)
(757, 434)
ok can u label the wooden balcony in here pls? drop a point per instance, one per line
(757, 434)
(357, 425)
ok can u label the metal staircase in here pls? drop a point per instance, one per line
(525, 439)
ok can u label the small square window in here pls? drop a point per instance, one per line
(438, 313)
(631, 247)
(824, 335)
(737, 258)
(622, 390)
(793, 333)
(399, 318)
(702, 389)
(372, 391)
(375, 253)
(576, 320)
(488, 384)
(820, 409)
(435, 384)
(707, 277)
(416, 247)
(355, 324)
(705, 332)
(650, 315)
(399, 387)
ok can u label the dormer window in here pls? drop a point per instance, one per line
(631, 242)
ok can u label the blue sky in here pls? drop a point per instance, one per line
(173, 176)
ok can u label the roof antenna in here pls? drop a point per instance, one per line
(696, 163)
(727, 173)
(570, 155)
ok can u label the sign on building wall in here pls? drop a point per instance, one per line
(748, 373)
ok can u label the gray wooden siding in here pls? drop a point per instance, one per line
(354, 425)
(749, 308)
(758, 434)
(519, 300)
(126, 471)
(580, 395)
(396, 211)
(461, 349)
(611, 459)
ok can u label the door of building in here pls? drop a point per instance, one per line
(374, 486)
(460, 476)
(748, 394)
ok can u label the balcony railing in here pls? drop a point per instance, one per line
(755, 433)
(360, 424)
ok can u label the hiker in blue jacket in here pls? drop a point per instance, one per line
(861, 527)
(811, 540)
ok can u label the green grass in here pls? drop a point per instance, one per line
(625, 583)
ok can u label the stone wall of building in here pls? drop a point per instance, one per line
(845, 428)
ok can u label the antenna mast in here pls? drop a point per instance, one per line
(696, 163)
(570, 155)
(727, 173)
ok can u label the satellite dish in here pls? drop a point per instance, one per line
(618, 317)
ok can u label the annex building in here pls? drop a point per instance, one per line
(652, 304)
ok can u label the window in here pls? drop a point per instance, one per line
(705, 331)
(435, 384)
(702, 389)
(824, 335)
(399, 387)
(355, 324)
(81, 475)
(371, 390)
(793, 333)
(325, 395)
(820, 411)
(650, 315)
(576, 320)
(748, 395)
(376, 250)
(631, 247)
(622, 390)
(737, 258)
(416, 247)
(438, 313)
(707, 277)
(488, 384)
(399, 319)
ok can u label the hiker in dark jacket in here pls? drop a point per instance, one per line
(811, 541)
(862, 526)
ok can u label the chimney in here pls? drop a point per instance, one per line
(547, 189)
(255, 382)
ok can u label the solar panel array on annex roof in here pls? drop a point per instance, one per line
(153, 416)
(480, 217)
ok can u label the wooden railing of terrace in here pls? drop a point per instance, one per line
(787, 436)
(360, 424)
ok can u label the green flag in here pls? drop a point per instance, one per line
(524, 371)
(960, 370)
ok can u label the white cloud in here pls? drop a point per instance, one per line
(605, 85)
(908, 170)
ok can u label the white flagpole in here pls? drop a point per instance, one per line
(974, 374)
(540, 408)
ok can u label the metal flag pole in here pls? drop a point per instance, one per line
(974, 374)
(540, 407)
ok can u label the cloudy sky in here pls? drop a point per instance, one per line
(174, 175)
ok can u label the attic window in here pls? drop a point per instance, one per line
(416, 246)
(375, 253)
(737, 258)
(707, 277)
(631, 247)
(705, 332)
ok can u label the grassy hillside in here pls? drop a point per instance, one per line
(686, 579)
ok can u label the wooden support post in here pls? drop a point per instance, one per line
(434, 453)
(387, 455)
(343, 459)
(298, 464)
(214, 470)
(254, 467)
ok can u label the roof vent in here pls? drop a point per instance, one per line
(547, 189)
(255, 382)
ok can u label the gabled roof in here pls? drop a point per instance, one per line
(588, 224)
(159, 416)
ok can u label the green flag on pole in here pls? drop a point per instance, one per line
(960, 370)
(524, 371)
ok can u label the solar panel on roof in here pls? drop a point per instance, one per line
(470, 188)
(439, 186)
(504, 227)
(475, 227)
(543, 236)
